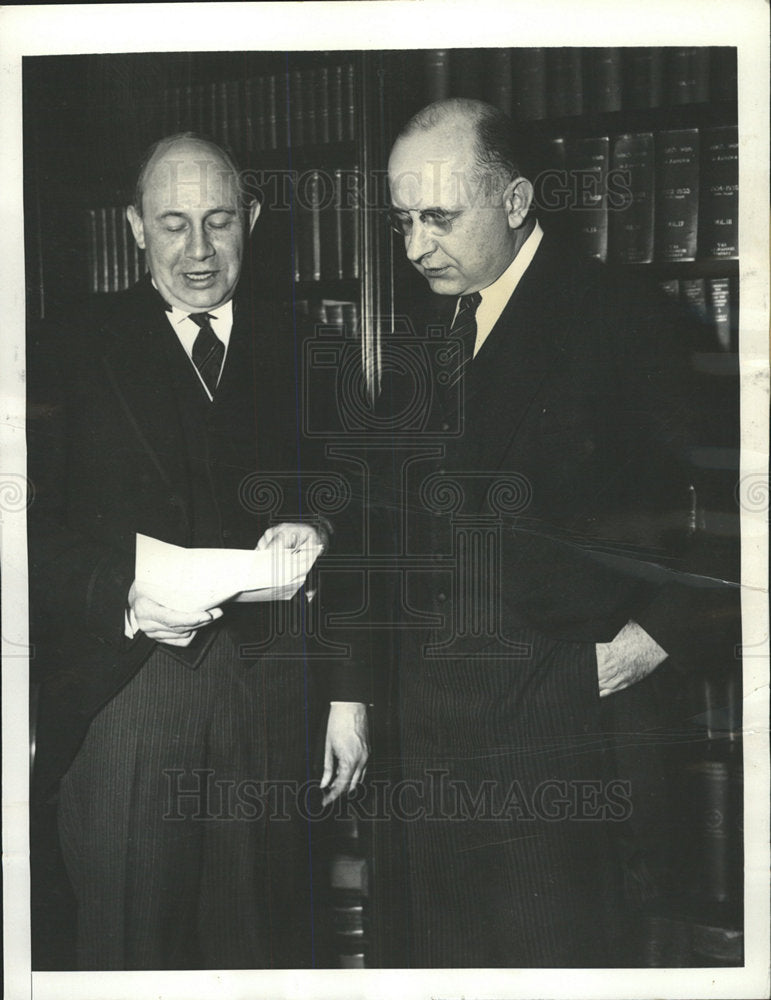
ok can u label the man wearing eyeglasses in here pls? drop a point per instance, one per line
(556, 430)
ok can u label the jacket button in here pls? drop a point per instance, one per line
(441, 597)
(445, 426)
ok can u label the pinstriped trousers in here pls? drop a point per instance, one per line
(508, 864)
(168, 871)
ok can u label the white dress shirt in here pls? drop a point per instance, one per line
(186, 330)
(495, 296)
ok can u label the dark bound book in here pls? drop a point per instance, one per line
(499, 88)
(309, 205)
(589, 163)
(630, 199)
(296, 134)
(466, 73)
(564, 82)
(271, 111)
(722, 73)
(719, 207)
(528, 70)
(722, 312)
(92, 243)
(322, 104)
(336, 104)
(643, 76)
(687, 75)
(602, 71)
(254, 102)
(677, 194)
(436, 63)
(309, 99)
(346, 225)
(349, 102)
(694, 297)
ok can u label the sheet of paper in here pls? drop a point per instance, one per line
(201, 579)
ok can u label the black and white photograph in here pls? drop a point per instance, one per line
(384, 500)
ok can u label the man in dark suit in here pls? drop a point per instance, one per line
(170, 410)
(538, 503)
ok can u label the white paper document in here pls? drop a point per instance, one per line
(201, 579)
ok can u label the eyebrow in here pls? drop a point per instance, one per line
(182, 215)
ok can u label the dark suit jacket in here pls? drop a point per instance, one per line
(580, 406)
(122, 440)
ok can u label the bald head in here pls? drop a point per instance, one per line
(191, 221)
(458, 196)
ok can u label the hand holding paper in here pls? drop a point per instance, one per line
(188, 583)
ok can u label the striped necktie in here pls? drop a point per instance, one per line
(464, 329)
(208, 351)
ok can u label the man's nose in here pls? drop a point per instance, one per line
(420, 242)
(199, 246)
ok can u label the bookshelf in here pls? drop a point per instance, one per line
(312, 131)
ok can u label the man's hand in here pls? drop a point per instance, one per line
(293, 536)
(347, 747)
(631, 656)
(175, 628)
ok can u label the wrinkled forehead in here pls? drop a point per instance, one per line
(435, 173)
(190, 179)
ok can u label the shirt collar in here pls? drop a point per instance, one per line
(223, 312)
(500, 291)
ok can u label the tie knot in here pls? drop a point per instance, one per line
(200, 319)
(468, 303)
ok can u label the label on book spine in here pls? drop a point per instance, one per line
(677, 194)
(721, 303)
(687, 75)
(719, 228)
(589, 163)
(630, 199)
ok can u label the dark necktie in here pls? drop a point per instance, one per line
(208, 351)
(464, 329)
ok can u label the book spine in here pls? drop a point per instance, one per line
(310, 100)
(309, 226)
(677, 194)
(499, 88)
(233, 116)
(529, 83)
(603, 69)
(721, 302)
(687, 75)
(348, 212)
(437, 74)
(466, 73)
(340, 208)
(113, 275)
(122, 239)
(93, 250)
(711, 789)
(671, 288)
(719, 231)
(643, 73)
(349, 106)
(693, 293)
(630, 199)
(565, 82)
(589, 164)
(296, 109)
(336, 104)
(322, 104)
(271, 111)
(722, 73)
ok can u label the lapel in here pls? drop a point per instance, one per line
(142, 359)
(509, 371)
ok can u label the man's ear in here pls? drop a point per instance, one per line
(517, 199)
(254, 211)
(137, 226)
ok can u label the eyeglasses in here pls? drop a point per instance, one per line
(436, 223)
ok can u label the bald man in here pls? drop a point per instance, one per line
(161, 730)
(534, 504)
